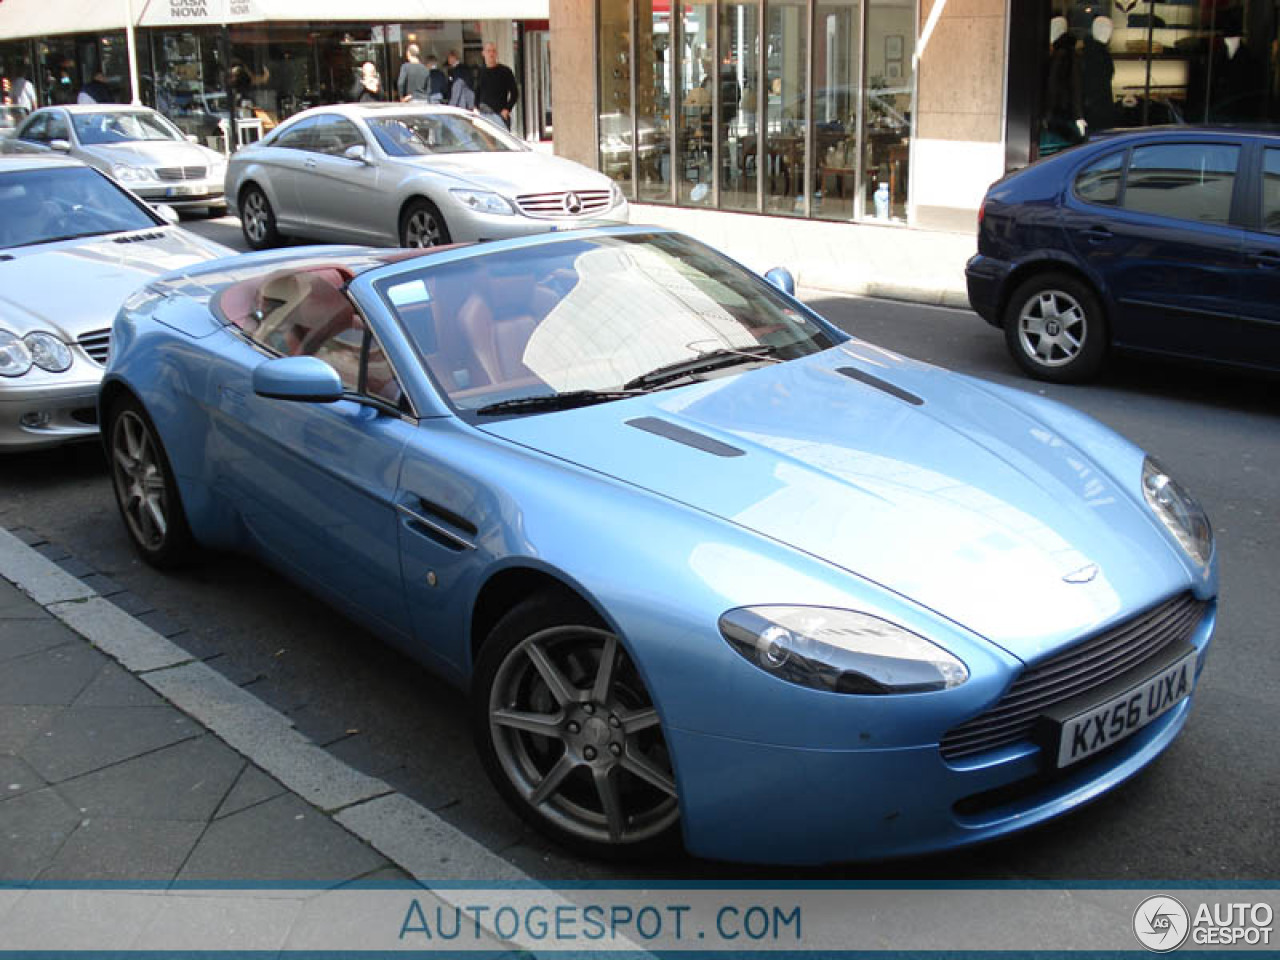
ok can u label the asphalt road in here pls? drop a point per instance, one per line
(1206, 810)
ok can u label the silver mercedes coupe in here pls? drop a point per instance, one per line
(408, 175)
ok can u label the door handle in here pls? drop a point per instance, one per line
(1265, 259)
(1097, 234)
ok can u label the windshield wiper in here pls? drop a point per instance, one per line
(556, 401)
(713, 360)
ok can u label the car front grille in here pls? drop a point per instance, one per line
(563, 203)
(1081, 668)
(97, 344)
(180, 173)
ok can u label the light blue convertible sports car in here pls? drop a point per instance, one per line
(708, 565)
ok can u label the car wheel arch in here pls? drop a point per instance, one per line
(111, 392)
(1025, 271)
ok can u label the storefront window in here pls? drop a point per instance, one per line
(886, 109)
(18, 75)
(786, 69)
(837, 56)
(739, 87)
(696, 95)
(68, 65)
(655, 61)
(615, 90)
(182, 76)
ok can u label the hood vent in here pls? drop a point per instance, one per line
(138, 237)
(689, 438)
(853, 373)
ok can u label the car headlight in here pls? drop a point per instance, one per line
(1178, 510)
(482, 201)
(126, 173)
(840, 651)
(15, 358)
(47, 351)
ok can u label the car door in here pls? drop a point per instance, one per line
(284, 160)
(315, 483)
(339, 195)
(1163, 240)
(1260, 277)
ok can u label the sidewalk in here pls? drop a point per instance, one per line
(866, 259)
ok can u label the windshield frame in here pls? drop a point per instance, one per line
(380, 282)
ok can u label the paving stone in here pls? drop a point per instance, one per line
(103, 584)
(234, 671)
(273, 695)
(51, 551)
(18, 725)
(75, 566)
(131, 603)
(117, 687)
(43, 579)
(200, 647)
(281, 840)
(318, 725)
(32, 828)
(252, 788)
(16, 777)
(121, 849)
(50, 677)
(28, 536)
(21, 637)
(82, 739)
(161, 623)
(359, 752)
(186, 781)
(15, 603)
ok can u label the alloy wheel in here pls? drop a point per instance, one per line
(1052, 328)
(140, 481)
(256, 217)
(422, 229)
(578, 738)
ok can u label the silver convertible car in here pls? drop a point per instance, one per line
(408, 175)
(73, 246)
(135, 145)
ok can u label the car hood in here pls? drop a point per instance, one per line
(515, 173)
(963, 503)
(77, 286)
(152, 153)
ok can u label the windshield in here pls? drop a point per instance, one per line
(62, 203)
(424, 134)
(593, 314)
(123, 127)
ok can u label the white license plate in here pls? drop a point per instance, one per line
(1099, 727)
(183, 191)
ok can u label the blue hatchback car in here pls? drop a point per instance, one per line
(1162, 241)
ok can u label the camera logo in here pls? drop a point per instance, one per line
(1161, 923)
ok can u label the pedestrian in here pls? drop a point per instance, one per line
(368, 84)
(462, 92)
(412, 82)
(496, 89)
(437, 81)
(23, 92)
(96, 90)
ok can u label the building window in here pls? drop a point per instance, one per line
(783, 107)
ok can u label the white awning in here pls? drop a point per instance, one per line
(42, 18)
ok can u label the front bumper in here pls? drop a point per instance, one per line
(47, 414)
(183, 195)
(986, 278)
(757, 802)
(468, 225)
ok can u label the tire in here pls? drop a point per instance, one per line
(421, 225)
(1055, 329)
(145, 489)
(587, 767)
(257, 219)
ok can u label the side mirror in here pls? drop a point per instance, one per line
(192, 138)
(60, 146)
(305, 379)
(781, 278)
(167, 213)
(357, 151)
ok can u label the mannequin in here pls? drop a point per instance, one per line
(1064, 99)
(1097, 71)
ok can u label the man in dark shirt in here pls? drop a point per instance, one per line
(414, 77)
(496, 89)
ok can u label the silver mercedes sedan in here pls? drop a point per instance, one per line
(408, 175)
(136, 145)
(73, 246)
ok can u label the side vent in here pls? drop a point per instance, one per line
(853, 373)
(439, 524)
(138, 238)
(689, 438)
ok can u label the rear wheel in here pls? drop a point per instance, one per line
(569, 734)
(421, 225)
(145, 489)
(257, 219)
(1055, 330)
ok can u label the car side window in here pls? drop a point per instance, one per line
(1185, 181)
(57, 128)
(1271, 190)
(298, 136)
(34, 131)
(333, 135)
(1100, 181)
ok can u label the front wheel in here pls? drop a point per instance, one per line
(1055, 330)
(258, 220)
(569, 734)
(146, 492)
(421, 225)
